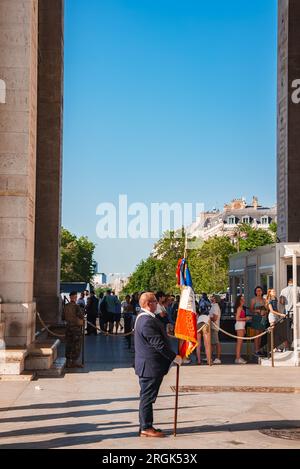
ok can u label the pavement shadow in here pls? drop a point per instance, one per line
(241, 426)
(77, 414)
(79, 403)
(78, 439)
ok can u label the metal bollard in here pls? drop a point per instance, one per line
(209, 342)
(272, 346)
(82, 346)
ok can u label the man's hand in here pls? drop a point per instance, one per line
(178, 360)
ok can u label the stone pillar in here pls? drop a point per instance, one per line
(18, 115)
(49, 160)
(288, 148)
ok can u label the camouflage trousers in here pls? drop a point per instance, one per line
(73, 343)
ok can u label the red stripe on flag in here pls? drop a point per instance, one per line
(186, 329)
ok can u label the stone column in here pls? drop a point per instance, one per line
(49, 159)
(288, 148)
(18, 114)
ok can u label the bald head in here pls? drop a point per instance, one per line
(148, 302)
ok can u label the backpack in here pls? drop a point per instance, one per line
(204, 306)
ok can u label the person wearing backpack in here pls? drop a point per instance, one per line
(204, 304)
(108, 309)
(91, 310)
(203, 324)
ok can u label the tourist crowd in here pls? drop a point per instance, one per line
(115, 316)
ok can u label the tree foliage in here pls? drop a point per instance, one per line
(209, 265)
(255, 237)
(273, 228)
(209, 262)
(76, 258)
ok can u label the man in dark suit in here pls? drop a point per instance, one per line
(91, 310)
(153, 357)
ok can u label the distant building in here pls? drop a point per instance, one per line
(95, 267)
(225, 223)
(99, 279)
(117, 281)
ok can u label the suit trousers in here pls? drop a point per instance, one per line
(149, 391)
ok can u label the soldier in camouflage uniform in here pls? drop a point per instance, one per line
(74, 317)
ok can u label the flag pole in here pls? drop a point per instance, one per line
(177, 371)
(176, 400)
(185, 246)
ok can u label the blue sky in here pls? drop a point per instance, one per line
(166, 101)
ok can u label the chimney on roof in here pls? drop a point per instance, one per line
(255, 202)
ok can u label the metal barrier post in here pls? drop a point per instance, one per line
(272, 346)
(248, 343)
(209, 343)
(83, 341)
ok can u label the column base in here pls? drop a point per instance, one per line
(12, 361)
(49, 307)
(19, 320)
(288, 358)
(39, 359)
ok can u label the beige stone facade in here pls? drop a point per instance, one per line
(227, 222)
(18, 117)
(23, 74)
(288, 120)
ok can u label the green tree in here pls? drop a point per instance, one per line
(76, 258)
(144, 277)
(100, 290)
(209, 265)
(158, 272)
(254, 237)
(168, 250)
(273, 228)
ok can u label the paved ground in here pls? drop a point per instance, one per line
(97, 408)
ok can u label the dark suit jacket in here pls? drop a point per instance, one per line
(153, 354)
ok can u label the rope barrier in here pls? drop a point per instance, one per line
(47, 327)
(132, 332)
(267, 331)
(110, 334)
(217, 328)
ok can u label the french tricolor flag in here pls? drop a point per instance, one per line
(186, 323)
